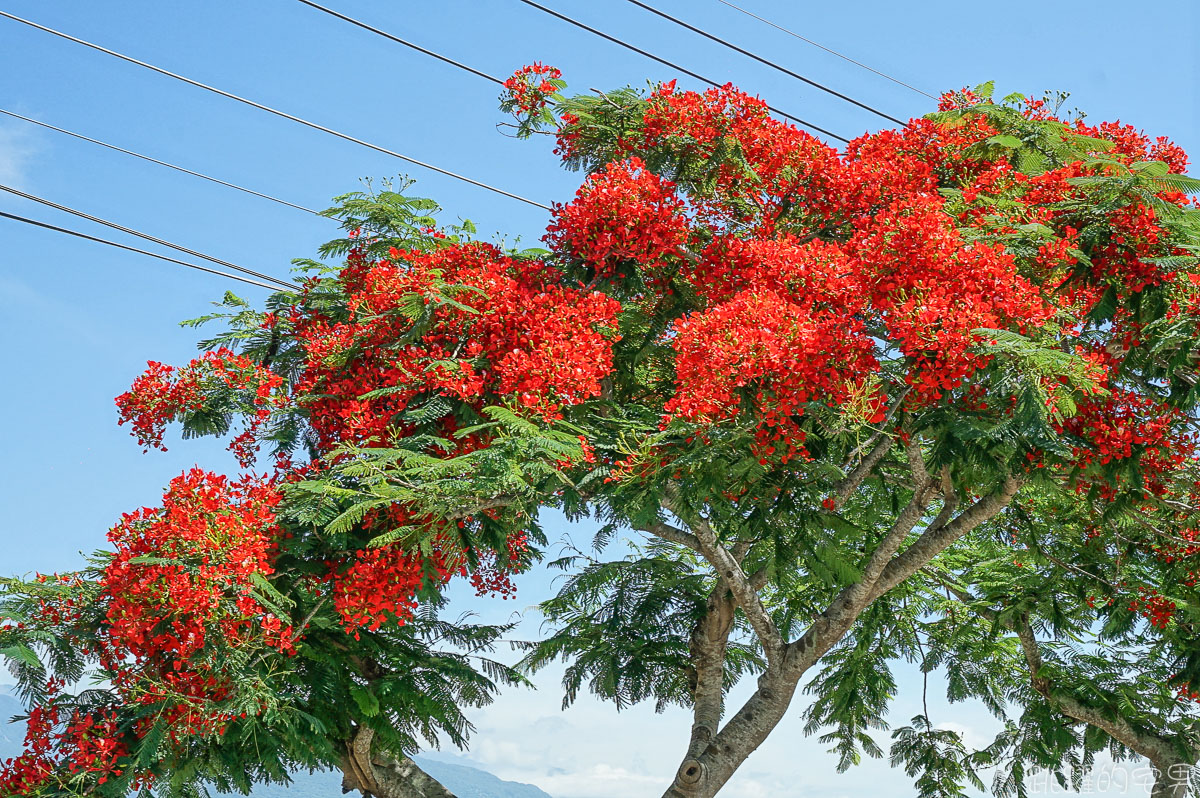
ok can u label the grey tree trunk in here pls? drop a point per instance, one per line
(382, 776)
(713, 759)
(1172, 780)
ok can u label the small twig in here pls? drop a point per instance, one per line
(608, 99)
(924, 677)
(1068, 566)
(891, 413)
(308, 618)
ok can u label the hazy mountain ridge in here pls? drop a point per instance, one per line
(11, 734)
(462, 780)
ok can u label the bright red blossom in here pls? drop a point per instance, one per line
(528, 90)
(164, 394)
(623, 215)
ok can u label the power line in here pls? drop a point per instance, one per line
(897, 81)
(157, 161)
(275, 111)
(285, 286)
(498, 81)
(672, 65)
(167, 258)
(405, 42)
(762, 60)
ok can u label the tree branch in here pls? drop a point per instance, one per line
(672, 534)
(878, 445)
(1161, 751)
(847, 486)
(385, 776)
(707, 649)
(934, 540)
(731, 572)
(840, 615)
(949, 500)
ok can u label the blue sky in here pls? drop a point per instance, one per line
(80, 320)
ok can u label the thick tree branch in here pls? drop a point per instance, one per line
(707, 649)
(735, 578)
(1162, 752)
(382, 776)
(672, 534)
(935, 540)
(949, 500)
(705, 773)
(840, 615)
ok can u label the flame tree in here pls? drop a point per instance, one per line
(931, 399)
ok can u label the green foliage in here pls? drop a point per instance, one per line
(627, 628)
(936, 757)
(852, 690)
(624, 627)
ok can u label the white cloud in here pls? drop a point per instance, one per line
(600, 780)
(18, 145)
(971, 738)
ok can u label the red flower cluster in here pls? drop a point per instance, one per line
(1125, 259)
(529, 89)
(493, 577)
(933, 289)
(380, 584)
(180, 590)
(186, 571)
(164, 394)
(1132, 145)
(54, 742)
(773, 162)
(510, 330)
(623, 216)
(1153, 606)
(777, 349)
(155, 399)
(1125, 425)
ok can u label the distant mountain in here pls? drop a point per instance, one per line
(462, 780)
(11, 734)
(469, 782)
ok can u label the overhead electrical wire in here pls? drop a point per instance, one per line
(494, 79)
(672, 65)
(829, 50)
(128, 248)
(274, 283)
(275, 111)
(405, 42)
(176, 167)
(146, 236)
(761, 60)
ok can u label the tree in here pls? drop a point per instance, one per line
(931, 398)
(1033, 470)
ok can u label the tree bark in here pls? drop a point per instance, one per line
(383, 776)
(707, 650)
(1171, 768)
(706, 769)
